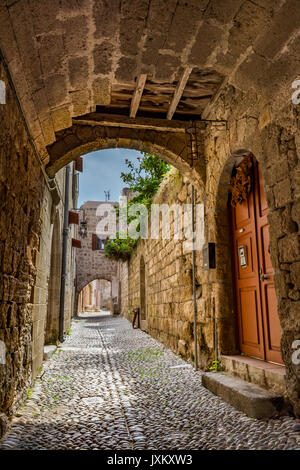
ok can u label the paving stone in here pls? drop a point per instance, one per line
(115, 392)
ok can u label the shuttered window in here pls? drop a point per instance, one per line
(94, 241)
(76, 243)
(97, 242)
(73, 218)
(79, 164)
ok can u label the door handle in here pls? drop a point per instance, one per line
(262, 277)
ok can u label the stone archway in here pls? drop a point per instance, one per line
(52, 322)
(89, 280)
(169, 146)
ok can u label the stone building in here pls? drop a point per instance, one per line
(90, 75)
(32, 223)
(90, 259)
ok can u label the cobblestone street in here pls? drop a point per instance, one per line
(111, 387)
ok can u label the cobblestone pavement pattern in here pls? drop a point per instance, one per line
(111, 387)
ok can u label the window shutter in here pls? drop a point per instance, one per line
(94, 241)
(76, 243)
(79, 164)
(73, 218)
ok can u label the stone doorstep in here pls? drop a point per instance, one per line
(249, 398)
(48, 351)
(143, 325)
(264, 374)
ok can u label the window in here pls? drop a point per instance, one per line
(97, 242)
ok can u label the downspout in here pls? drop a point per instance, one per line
(64, 257)
(194, 278)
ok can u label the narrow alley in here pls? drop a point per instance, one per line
(149, 225)
(111, 386)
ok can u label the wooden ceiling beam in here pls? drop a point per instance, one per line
(137, 95)
(109, 120)
(179, 91)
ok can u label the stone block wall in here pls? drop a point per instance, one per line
(92, 264)
(271, 133)
(21, 191)
(168, 267)
(26, 228)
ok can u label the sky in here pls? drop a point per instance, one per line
(101, 172)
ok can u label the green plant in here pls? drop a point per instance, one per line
(143, 180)
(120, 248)
(68, 331)
(215, 366)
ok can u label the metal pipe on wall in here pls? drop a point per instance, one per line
(64, 256)
(194, 278)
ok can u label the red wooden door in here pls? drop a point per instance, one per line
(256, 304)
(272, 328)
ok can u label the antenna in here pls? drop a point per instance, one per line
(107, 195)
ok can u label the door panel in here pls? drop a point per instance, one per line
(249, 322)
(247, 284)
(249, 270)
(271, 324)
(259, 326)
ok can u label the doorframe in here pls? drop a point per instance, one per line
(233, 263)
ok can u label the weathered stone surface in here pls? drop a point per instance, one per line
(48, 351)
(91, 263)
(67, 57)
(25, 255)
(120, 40)
(244, 396)
(121, 390)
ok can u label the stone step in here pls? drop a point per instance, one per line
(48, 351)
(264, 374)
(249, 398)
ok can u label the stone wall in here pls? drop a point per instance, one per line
(271, 134)
(21, 190)
(91, 263)
(47, 288)
(26, 228)
(105, 294)
(168, 266)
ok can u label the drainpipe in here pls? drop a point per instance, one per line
(215, 331)
(194, 280)
(64, 257)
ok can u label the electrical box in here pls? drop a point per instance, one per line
(209, 255)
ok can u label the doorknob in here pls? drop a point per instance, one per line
(262, 277)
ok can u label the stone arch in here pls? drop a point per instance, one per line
(82, 139)
(52, 321)
(92, 278)
(86, 281)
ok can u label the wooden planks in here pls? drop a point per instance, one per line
(179, 91)
(136, 99)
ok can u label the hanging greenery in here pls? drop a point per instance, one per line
(143, 179)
